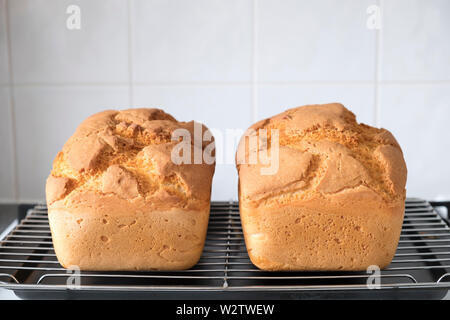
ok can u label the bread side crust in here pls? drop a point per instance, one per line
(343, 232)
(146, 240)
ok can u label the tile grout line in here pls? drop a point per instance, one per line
(12, 105)
(375, 82)
(130, 55)
(378, 68)
(254, 82)
(235, 83)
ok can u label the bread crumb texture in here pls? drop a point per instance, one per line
(118, 202)
(337, 200)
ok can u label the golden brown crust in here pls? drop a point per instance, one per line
(345, 231)
(159, 240)
(57, 188)
(291, 174)
(343, 155)
(118, 163)
(333, 172)
(119, 181)
(135, 142)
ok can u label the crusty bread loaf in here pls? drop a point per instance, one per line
(116, 200)
(337, 200)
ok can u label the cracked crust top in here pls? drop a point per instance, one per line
(122, 157)
(323, 151)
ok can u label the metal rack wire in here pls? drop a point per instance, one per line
(422, 260)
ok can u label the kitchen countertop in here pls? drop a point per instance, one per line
(8, 213)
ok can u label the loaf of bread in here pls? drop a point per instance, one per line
(117, 201)
(337, 199)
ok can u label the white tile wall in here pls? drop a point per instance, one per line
(226, 63)
(218, 107)
(200, 40)
(419, 116)
(4, 75)
(47, 117)
(324, 40)
(7, 188)
(273, 99)
(45, 51)
(415, 42)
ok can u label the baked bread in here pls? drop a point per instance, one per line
(337, 199)
(117, 201)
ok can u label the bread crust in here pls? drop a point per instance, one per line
(171, 239)
(337, 201)
(117, 201)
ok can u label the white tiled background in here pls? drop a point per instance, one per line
(226, 63)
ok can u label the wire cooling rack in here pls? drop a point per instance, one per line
(421, 266)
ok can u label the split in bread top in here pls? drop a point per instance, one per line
(127, 154)
(322, 151)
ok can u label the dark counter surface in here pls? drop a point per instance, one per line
(11, 211)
